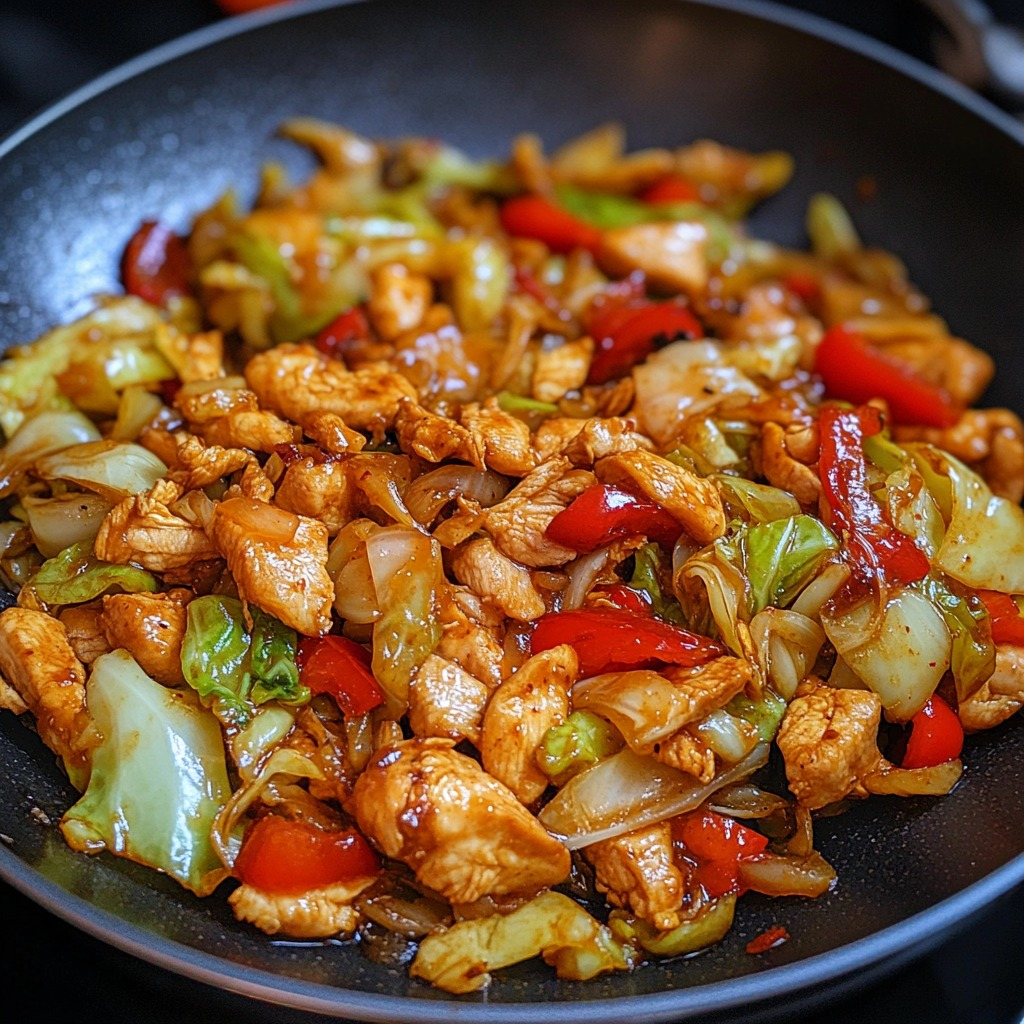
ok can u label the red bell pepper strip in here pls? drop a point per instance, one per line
(873, 546)
(673, 188)
(603, 513)
(610, 640)
(1007, 623)
(718, 844)
(283, 855)
(936, 736)
(155, 265)
(533, 216)
(341, 667)
(627, 333)
(856, 371)
(805, 286)
(337, 336)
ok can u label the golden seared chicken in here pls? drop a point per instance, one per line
(40, 673)
(316, 914)
(462, 831)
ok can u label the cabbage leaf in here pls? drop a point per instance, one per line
(75, 576)
(158, 778)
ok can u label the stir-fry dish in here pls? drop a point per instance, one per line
(488, 560)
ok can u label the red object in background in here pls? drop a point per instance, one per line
(936, 736)
(717, 843)
(283, 855)
(155, 265)
(241, 6)
(1007, 623)
(673, 188)
(609, 639)
(871, 543)
(347, 327)
(341, 667)
(603, 513)
(768, 939)
(855, 370)
(626, 333)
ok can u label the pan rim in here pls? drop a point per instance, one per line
(909, 937)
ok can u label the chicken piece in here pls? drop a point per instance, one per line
(296, 382)
(462, 831)
(1000, 696)
(432, 437)
(521, 710)
(278, 561)
(949, 363)
(197, 465)
(829, 741)
(471, 635)
(399, 299)
(517, 523)
(637, 872)
(330, 432)
(710, 685)
(315, 914)
(501, 439)
(562, 369)
(672, 254)
(692, 500)
(688, 753)
(253, 483)
(84, 628)
(583, 442)
(151, 627)
(446, 700)
(779, 467)
(989, 441)
(143, 530)
(497, 579)
(202, 401)
(319, 489)
(39, 667)
(255, 429)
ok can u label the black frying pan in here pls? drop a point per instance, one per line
(169, 133)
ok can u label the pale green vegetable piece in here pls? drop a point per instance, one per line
(709, 927)
(112, 469)
(42, 434)
(75, 576)
(551, 925)
(900, 650)
(158, 777)
(580, 741)
(830, 228)
(983, 545)
(781, 556)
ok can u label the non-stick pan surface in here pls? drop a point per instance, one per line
(170, 133)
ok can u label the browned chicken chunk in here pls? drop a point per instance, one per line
(462, 832)
(151, 628)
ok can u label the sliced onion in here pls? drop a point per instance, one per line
(784, 875)
(628, 791)
(355, 596)
(57, 523)
(383, 478)
(731, 738)
(745, 800)
(787, 646)
(582, 573)
(113, 469)
(429, 493)
(936, 780)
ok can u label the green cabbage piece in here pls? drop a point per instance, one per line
(830, 228)
(577, 743)
(764, 714)
(75, 576)
(779, 557)
(649, 566)
(233, 668)
(973, 654)
(759, 502)
(709, 927)
(158, 777)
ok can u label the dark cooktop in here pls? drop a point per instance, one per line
(51, 970)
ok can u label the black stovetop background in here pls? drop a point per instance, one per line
(50, 970)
